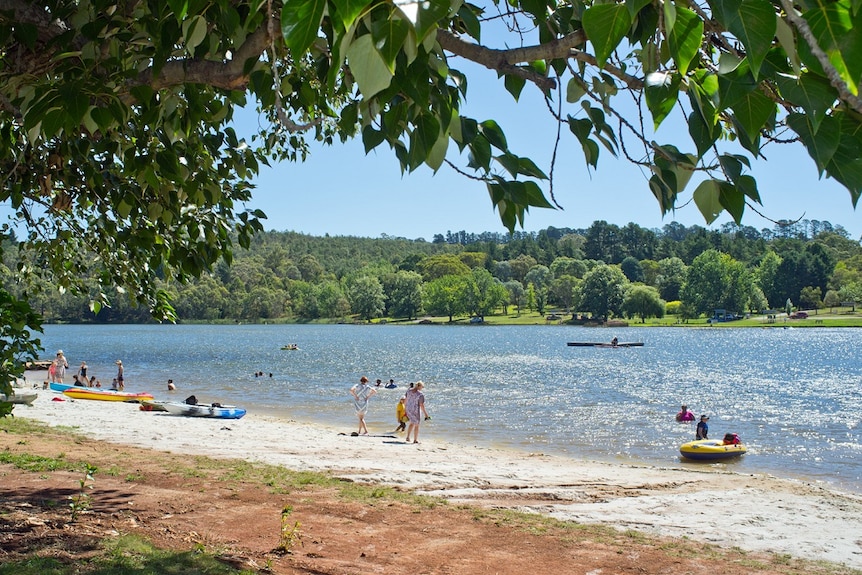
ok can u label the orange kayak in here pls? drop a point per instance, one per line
(105, 395)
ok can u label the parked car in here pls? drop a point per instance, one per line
(799, 315)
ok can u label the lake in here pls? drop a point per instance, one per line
(793, 395)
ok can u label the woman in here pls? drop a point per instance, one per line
(361, 393)
(60, 365)
(415, 408)
(120, 379)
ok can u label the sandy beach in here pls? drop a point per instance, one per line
(751, 512)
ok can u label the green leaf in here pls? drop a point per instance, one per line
(371, 138)
(536, 8)
(661, 90)
(574, 90)
(753, 112)
(368, 66)
(786, 38)
(669, 10)
(194, 32)
(732, 200)
(428, 16)
(492, 131)
(581, 128)
(389, 36)
(509, 162)
(514, 85)
(300, 22)
(470, 21)
(527, 167)
(635, 6)
(823, 143)
(833, 27)
(347, 10)
(702, 135)
(707, 199)
(755, 27)
(480, 153)
(180, 8)
(734, 81)
(685, 38)
(812, 93)
(846, 164)
(606, 25)
(437, 154)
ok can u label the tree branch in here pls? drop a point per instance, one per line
(505, 61)
(834, 77)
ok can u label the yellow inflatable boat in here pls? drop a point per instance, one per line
(711, 450)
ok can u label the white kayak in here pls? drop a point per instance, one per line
(201, 410)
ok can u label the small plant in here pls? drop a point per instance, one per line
(81, 501)
(290, 534)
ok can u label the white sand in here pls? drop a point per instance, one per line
(727, 509)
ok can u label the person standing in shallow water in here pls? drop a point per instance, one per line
(415, 408)
(361, 393)
(120, 378)
(702, 431)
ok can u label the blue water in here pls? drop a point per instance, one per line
(793, 395)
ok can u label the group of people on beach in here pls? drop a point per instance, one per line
(409, 412)
(59, 365)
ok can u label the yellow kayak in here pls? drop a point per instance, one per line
(105, 395)
(711, 450)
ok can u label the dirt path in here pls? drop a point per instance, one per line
(180, 502)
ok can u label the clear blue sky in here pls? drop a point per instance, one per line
(341, 191)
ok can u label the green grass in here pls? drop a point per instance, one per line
(125, 555)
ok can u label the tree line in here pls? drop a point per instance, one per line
(600, 272)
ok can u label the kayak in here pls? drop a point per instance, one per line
(711, 450)
(202, 410)
(20, 397)
(104, 394)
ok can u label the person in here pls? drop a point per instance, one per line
(120, 379)
(98, 383)
(685, 415)
(76, 381)
(114, 384)
(92, 382)
(171, 386)
(401, 414)
(361, 393)
(378, 383)
(414, 405)
(614, 341)
(60, 367)
(731, 439)
(702, 431)
(391, 384)
(82, 371)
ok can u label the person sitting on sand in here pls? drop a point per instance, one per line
(685, 415)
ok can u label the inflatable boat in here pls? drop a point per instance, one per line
(711, 450)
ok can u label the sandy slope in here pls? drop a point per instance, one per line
(749, 512)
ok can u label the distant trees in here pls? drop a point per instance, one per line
(643, 302)
(286, 275)
(603, 290)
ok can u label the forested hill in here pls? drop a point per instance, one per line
(293, 275)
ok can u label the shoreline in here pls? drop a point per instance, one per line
(725, 508)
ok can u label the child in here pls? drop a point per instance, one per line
(401, 414)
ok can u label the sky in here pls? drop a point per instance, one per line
(341, 191)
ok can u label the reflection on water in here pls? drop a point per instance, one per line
(793, 395)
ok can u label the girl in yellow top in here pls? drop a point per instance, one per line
(401, 414)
